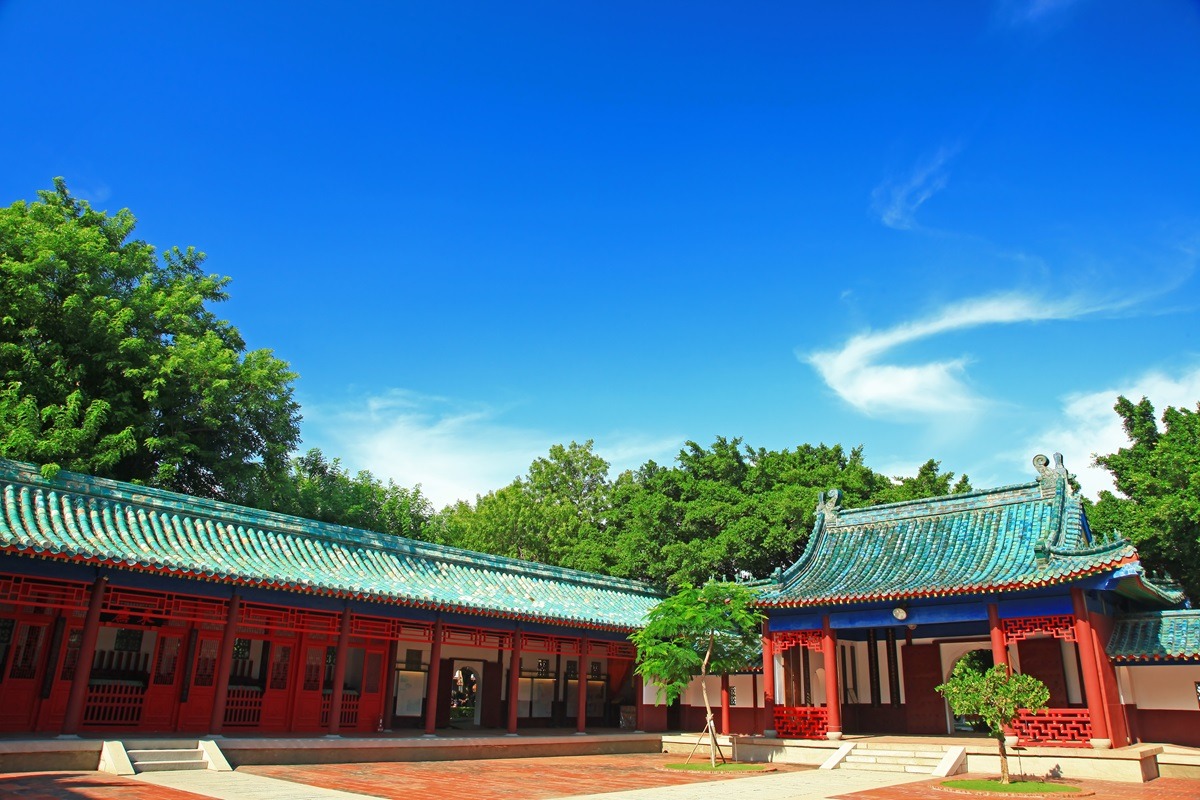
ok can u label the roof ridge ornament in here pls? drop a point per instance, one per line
(829, 503)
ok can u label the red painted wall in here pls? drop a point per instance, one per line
(1160, 725)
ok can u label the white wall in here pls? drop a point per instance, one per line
(1164, 687)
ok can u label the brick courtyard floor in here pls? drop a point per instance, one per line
(497, 778)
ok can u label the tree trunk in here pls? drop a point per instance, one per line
(1003, 760)
(708, 717)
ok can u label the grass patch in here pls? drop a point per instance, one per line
(1016, 787)
(704, 766)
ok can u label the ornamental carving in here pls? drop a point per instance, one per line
(1060, 627)
(785, 640)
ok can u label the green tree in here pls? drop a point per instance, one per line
(1159, 476)
(317, 488)
(713, 630)
(996, 696)
(112, 363)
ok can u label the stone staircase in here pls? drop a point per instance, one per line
(918, 758)
(135, 756)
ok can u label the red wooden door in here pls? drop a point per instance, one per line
(196, 709)
(276, 693)
(162, 692)
(370, 700)
(445, 691)
(1042, 658)
(309, 694)
(925, 709)
(56, 687)
(22, 663)
(490, 715)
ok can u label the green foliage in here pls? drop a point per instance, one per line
(316, 488)
(111, 362)
(726, 510)
(696, 632)
(1159, 476)
(995, 696)
(555, 514)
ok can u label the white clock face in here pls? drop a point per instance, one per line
(899, 613)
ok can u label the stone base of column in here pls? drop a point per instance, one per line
(770, 734)
(833, 736)
(1100, 744)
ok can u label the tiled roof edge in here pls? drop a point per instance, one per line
(152, 497)
(940, 504)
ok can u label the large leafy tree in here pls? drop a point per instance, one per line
(1159, 476)
(315, 487)
(113, 363)
(696, 632)
(996, 696)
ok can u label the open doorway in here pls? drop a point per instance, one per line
(465, 694)
(980, 660)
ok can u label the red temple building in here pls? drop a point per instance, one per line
(884, 600)
(125, 609)
(128, 609)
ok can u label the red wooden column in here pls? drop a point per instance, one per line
(999, 645)
(1091, 674)
(514, 682)
(833, 699)
(768, 645)
(432, 678)
(339, 674)
(83, 663)
(725, 703)
(639, 688)
(756, 728)
(224, 666)
(389, 692)
(581, 700)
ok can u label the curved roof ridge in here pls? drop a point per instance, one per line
(886, 509)
(154, 500)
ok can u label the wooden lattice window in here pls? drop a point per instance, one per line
(74, 642)
(313, 664)
(25, 657)
(280, 660)
(371, 679)
(206, 662)
(128, 640)
(167, 660)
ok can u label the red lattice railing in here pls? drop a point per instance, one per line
(349, 710)
(801, 722)
(117, 704)
(243, 707)
(1066, 727)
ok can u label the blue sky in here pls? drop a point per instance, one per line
(951, 230)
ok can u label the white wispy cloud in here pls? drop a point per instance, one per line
(1087, 425)
(454, 449)
(1031, 12)
(896, 200)
(860, 374)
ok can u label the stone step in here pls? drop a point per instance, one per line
(160, 744)
(862, 758)
(146, 756)
(168, 766)
(896, 752)
(871, 767)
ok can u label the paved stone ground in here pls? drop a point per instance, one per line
(497, 778)
(631, 777)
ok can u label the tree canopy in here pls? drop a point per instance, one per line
(712, 630)
(1159, 476)
(112, 362)
(996, 696)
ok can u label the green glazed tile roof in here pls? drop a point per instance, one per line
(78, 517)
(1156, 636)
(1007, 539)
